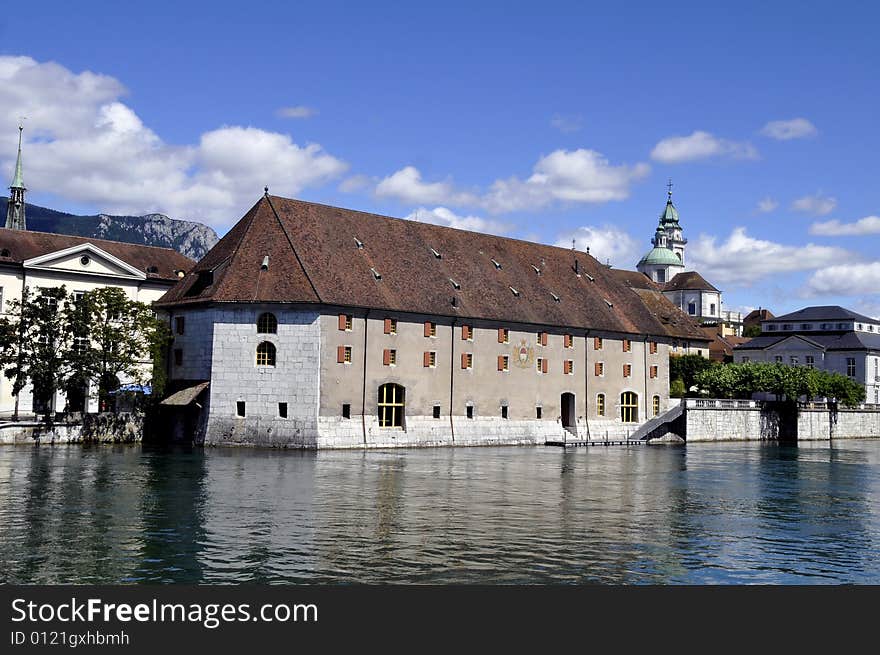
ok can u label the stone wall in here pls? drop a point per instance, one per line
(709, 420)
(819, 424)
(93, 428)
(294, 380)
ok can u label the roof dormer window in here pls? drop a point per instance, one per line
(359, 243)
(376, 274)
(496, 264)
(436, 254)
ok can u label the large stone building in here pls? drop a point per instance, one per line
(314, 326)
(664, 265)
(829, 337)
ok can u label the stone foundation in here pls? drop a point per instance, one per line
(92, 428)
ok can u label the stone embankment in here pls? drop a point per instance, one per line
(749, 420)
(89, 428)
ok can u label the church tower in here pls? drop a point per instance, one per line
(15, 218)
(666, 258)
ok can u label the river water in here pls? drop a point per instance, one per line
(704, 513)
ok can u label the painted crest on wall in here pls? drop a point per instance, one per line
(523, 354)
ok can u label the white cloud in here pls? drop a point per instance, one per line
(605, 243)
(844, 280)
(82, 143)
(355, 183)
(743, 260)
(582, 176)
(796, 128)
(700, 145)
(866, 225)
(567, 124)
(579, 176)
(407, 185)
(767, 205)
(816, 204)
(300, 111)
(869, 307)
(448, 218)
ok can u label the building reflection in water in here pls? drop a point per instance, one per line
(657, 514)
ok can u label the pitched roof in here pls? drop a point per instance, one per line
(328, 255)
(688, 280)
(26, 244)
(635, 279)
(757, 315)
(827, 340)
(825, 313)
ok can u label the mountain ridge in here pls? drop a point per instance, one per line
(189, 238)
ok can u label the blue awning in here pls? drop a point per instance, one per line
(145, 389)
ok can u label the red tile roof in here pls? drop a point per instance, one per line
(26, 244)
(688, 280)
(314, 257)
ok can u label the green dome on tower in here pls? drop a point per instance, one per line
(660, 257)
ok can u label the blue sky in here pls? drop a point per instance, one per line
(547, 121)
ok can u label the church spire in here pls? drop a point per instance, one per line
(15, 214)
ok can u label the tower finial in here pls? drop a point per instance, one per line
(669, 189)
(15, 208)
(266, 190)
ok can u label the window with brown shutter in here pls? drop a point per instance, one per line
(500, 362)
(542, 338)
(545, 366)
(626, 345)
(600, 368)
(653, 371)
(430, 330)
(340, 354)
(465, 332)
(503, 335)
(653, 348)
(597, 343)
(387, 326)
(467, 360)
(388, 357)
(627, 369)
(568, 341)
(426, 359)
(569, 366)
(343, 322)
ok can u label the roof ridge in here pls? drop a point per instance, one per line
(293, 249)
(441, 227)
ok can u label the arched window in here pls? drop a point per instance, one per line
(391, 405)
(629, 407)
(266, 354)
(267, 324)
(656, 405)
(600, 405)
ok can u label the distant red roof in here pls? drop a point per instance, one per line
(688, 280)
(17, 246)
(332, 256)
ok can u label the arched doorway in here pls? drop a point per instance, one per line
(392, 398)
(569, 421)
(629, 407)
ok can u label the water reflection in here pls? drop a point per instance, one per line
(705, 513)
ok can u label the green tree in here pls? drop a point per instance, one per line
(676, 389)
(752, 331)
(36, 338)
(785, 382)
(117, 338)
(687, 367)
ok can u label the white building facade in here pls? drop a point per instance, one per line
(39, 260)
(829, 338)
